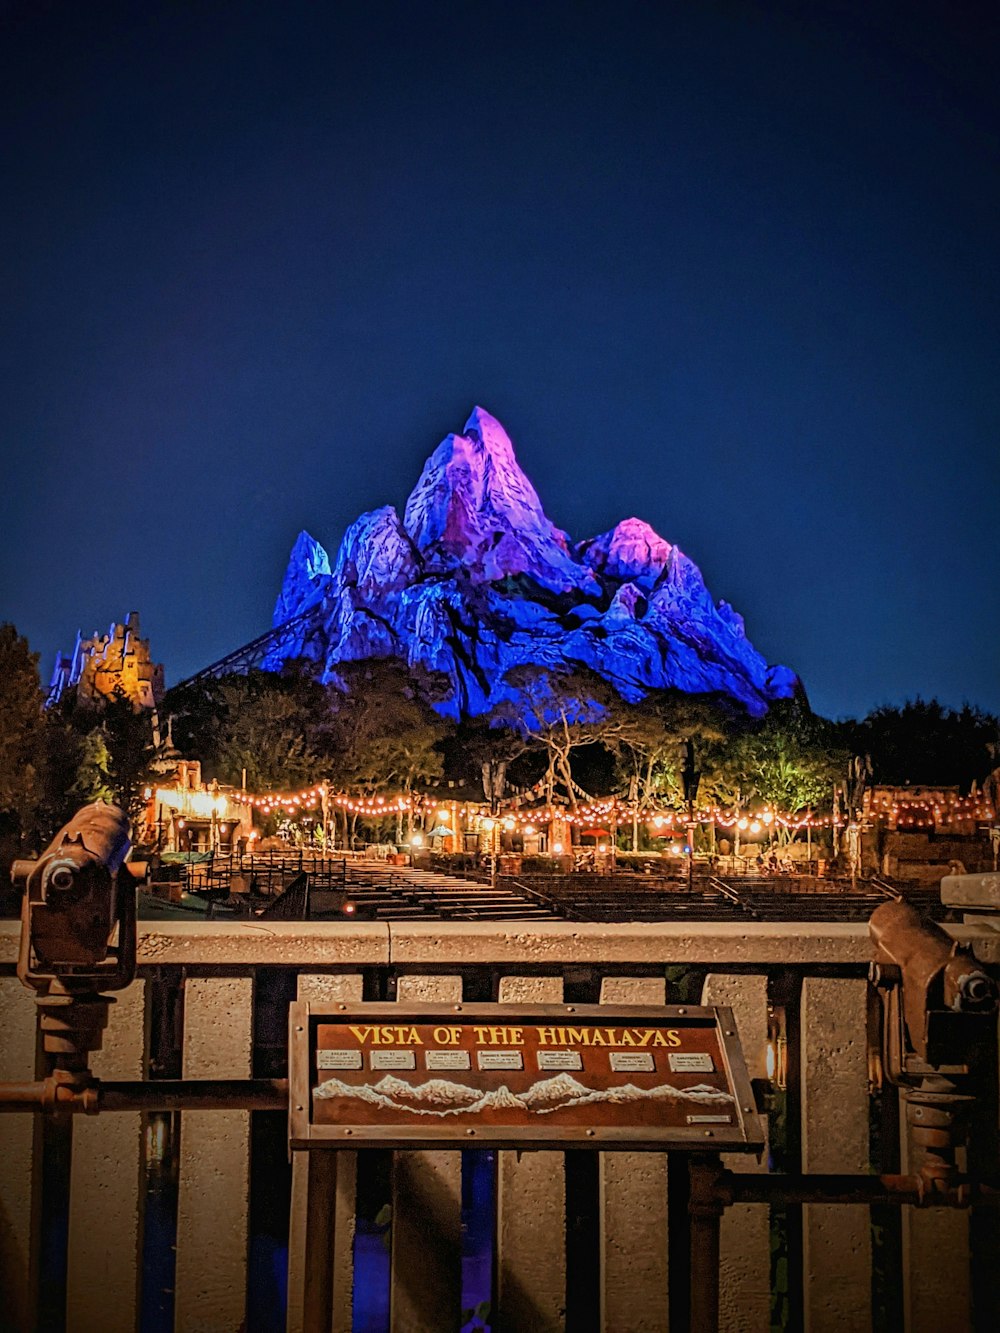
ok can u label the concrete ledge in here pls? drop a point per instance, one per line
(246, 943)
(972, 891)
(452, 944)
(464, 942)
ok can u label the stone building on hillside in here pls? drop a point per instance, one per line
(106, 664)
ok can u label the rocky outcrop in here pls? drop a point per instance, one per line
(476, 580)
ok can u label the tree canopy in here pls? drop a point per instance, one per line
(22, 729)
(374, 728)
(927, 744)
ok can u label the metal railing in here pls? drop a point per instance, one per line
(177, 1220)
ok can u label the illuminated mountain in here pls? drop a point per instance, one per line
(476, 580)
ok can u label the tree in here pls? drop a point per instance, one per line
(128, 737)
(99, 750)
(477, 751)
(92, 778)
(649, 739)
(788, 760)
(384, 732)
(560, 711)
(927, 744)
(270, 724)
(22, 731)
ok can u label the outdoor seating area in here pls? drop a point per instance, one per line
(299, 886)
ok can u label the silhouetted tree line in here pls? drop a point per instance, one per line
(376, 728)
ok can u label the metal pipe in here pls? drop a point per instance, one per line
(706, 1202)
(216, 1094)
(888, 1189)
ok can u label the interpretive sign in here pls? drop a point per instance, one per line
(571, 1076)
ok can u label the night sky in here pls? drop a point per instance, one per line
(732, 268)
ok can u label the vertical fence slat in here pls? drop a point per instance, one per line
(936, 1274)
(333, 1175)
(426, 1281)
(836, 1239)
(745, 1238)
(104, 1237)
(19, 1162)
(633, 1207)
(531, 1211)
(214, 1186)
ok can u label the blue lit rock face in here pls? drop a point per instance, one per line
(476, 580)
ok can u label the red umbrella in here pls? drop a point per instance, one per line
(594, 833)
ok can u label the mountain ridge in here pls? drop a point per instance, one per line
(475, 579)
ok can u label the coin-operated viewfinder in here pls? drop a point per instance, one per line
(76, 897)
(939, 1044)
(948, 1001)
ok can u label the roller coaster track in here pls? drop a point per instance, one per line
(244, 659)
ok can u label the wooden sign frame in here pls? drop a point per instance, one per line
(629, 1077)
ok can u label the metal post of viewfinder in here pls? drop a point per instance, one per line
(705, 1215)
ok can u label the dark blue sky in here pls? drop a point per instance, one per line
(729, 267)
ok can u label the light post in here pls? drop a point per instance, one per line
(324, 796)
(690, 777)
(416, 840)
(492, 828)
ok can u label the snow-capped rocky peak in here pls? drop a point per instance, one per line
(627, 604)
(376, 553)
(306, 580)
(463, 587)
(474, 507)
(630, 551)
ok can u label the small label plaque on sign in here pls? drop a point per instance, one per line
(338, 1060)
(393, 1060)
(500, 1059)
(632, 1062)
(560, 1060)
(544, 1076)
(690, 1062)
(448, 1060)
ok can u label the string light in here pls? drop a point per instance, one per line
(933, 808)
(928, 808)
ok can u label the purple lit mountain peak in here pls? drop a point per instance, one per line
(376, 553)
(307, 579)
(474, 509)
(476, 580)
(630, 551)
